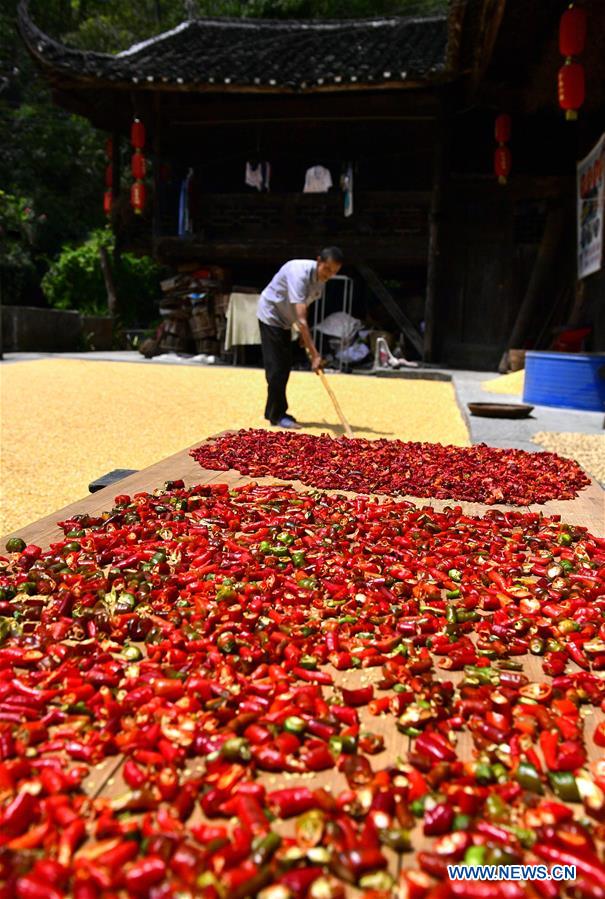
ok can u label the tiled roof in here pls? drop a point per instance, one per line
(262, 54)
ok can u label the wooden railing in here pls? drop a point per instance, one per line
(384, 225)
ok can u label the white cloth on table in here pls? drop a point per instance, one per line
(242, 323)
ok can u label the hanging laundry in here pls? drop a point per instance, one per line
(258, 175)
(184, 213)
(346, 183)
(318, 180)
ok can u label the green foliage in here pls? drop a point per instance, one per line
(18, 227)
(75, 280)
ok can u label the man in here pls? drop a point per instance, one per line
(283, 303)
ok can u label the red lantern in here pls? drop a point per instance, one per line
(502, 128)
(502, 163)
(571, 88)
(109, 175)
(138, 166)
(137, 134)
(107, 202)
(137, 197)
(572, 31)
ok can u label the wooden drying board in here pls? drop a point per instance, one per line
(587, 509)
(105, 780)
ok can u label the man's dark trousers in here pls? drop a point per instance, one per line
(277, 359)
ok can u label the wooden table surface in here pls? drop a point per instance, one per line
(588, 509)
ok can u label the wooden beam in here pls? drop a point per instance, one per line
(402, 251)
(391, 305)
(488, 39)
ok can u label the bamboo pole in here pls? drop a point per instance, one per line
(335, 403)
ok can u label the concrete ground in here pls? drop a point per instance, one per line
(516, 433)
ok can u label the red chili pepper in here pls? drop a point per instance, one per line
(17, 815)
(360, 696)
(144, 874)
(293, 801)
(585, 863)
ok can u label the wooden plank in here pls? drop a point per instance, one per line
(392, 307)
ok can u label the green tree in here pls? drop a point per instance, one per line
(56, 159)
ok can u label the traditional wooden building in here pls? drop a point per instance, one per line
(405, 105)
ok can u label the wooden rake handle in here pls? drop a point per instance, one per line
(335, 403)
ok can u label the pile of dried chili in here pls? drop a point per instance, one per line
(479, 473)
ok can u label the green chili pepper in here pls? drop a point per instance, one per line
(16, 545)
(5, 629)
(454, 574)
(496, 808)
(564, 786)
(417, 806)
(264, 847)
(526, 837)
(475, 674)
(453, 594)
(499, 772)
(528, 777)
(309, 583)
(475, 855)
(553, 645)
(279, 551)
(377, 880)
(298, 558)
(464, 615)
(294, 725)
(125, 603)
(225, 594)
(236, 749)
(483, 773)
(461, 822)
(537, 646)
(308, 662)
(285, 538)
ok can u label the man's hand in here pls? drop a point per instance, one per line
(316, 362)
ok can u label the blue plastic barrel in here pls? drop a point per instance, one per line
(569, 380)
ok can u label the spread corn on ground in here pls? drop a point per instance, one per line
(511, 384)
(67, 422)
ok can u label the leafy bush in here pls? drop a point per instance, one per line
(18, 224)
(75, 281)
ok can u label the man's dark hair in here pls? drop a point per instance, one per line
(331, 254)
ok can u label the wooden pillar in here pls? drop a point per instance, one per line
(156, 227)
(434, 248)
